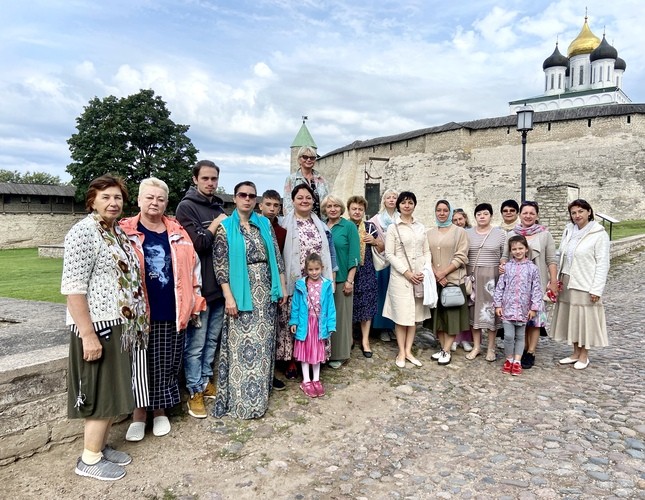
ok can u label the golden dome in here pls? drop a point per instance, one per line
(584, 43)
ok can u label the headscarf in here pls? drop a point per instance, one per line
(449, 220)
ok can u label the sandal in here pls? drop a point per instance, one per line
(490, 355)
(473, 354)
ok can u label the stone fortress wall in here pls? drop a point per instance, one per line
(600, 150)
(32, 230)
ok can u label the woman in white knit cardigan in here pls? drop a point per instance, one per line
(579, 316)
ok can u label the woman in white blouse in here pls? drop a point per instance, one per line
(407, 251)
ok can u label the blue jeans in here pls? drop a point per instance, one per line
(201, 344)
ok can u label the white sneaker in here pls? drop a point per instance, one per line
(453, 347)
(436, 355)
(444, 358)
(467, 346)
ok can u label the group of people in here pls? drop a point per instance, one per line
(149, 294)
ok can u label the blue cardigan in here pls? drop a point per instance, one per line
(300, 310)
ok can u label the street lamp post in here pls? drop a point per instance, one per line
(524, 125)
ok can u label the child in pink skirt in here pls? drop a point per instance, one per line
(313, 320)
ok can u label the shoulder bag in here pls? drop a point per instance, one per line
(418, 287)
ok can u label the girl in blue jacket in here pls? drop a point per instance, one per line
(313, 320)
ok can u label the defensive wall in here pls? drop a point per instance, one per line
(601, 149)
(32, 230)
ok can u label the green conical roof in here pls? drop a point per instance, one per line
(303, 138)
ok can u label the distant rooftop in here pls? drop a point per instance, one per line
(36, 189)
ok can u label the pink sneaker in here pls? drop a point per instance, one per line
(508, 366)
(318, 387)
(516, 369)
(308, 389)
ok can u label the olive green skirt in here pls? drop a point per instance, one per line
(101, 388)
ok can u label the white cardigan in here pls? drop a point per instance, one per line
(590, 263)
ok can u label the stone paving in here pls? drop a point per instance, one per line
(462, 431)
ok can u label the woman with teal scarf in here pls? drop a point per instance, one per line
(250, 270)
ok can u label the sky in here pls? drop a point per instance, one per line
(242, 73)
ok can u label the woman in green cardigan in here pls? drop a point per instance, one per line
(347, 244)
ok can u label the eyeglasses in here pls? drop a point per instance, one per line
(509, 211)
(305, 157)
(250, 196)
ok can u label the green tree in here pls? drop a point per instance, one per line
(29, 178)
(9, 176)
(135, 138)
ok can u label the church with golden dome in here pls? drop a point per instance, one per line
(590, 74)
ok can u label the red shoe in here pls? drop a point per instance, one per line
(516, 369)
(508, 367)
(308, 389)
(318, 387)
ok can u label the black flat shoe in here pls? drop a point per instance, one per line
(367, 354)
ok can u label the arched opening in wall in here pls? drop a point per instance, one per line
(508, 130)
(406, 143)
(548, 127)
(629, 119)
(589, 122)
(390, 146)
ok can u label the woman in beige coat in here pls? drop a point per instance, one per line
(406, 237)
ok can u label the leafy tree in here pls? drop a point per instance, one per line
(9, 176)
(29, 178)
(135, 138)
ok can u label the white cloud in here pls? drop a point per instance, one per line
(242, 74)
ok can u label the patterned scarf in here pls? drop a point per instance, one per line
(131, 303)
(529, 231)
(361, 234)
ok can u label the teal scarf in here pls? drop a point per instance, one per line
(238, 270)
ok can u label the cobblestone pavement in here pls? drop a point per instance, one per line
(461, 431)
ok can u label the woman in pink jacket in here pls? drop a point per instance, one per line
(172, 290)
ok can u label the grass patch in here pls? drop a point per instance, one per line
(625, 228)
(29, 277)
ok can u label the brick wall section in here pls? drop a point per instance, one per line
(26, 231)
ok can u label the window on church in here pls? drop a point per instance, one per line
(546, 83)
(581, 80)
(552, 80)
(559, 81)
(600, 74)
(608, 69)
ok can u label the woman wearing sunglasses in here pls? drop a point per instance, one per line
(250, 270)
(306, 174)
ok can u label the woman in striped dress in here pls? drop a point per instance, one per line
(172, 290)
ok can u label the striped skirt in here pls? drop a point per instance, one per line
(155, 370)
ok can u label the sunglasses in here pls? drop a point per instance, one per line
(509, 211)
(305, 157)
(250, 196)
